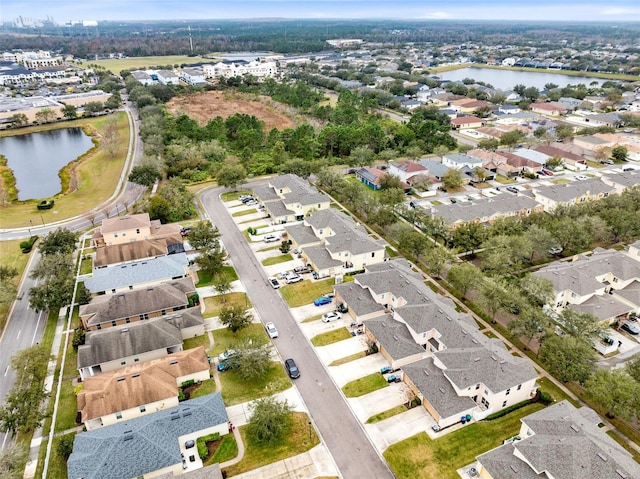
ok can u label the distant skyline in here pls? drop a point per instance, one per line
(561, 10)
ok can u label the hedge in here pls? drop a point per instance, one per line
(507, 410)
(201, 442)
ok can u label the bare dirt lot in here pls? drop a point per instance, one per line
(202, 107)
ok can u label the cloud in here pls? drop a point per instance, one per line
(620, 11)
(437, 15)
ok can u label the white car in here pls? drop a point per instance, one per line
(274, 283)
(270, 238)
(332, 316)
(293, 278)
(272, 331)
(581, 177)
(226, 354)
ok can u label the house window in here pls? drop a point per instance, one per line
(477, 386)
(135, 360)
(118, 415)
(130, 287)
(504, 404)
(122, 363)
(113, 323)
(508, 391)
(124, 234)
(115, 235)
(373, 255)
(519, 387)
(137, 231)
(143, 409)
(127, 320)
(99, 326)
(163, 312)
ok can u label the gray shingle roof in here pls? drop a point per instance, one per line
(138, 272)
(145, 444)
(566, 443)
(627, 179)
(602, 307)
(359, 299)
(320, 257)
(571, 191)
(489, 208)
(166, 296)
(394, 337)
(121, 342)
(436, 388)
(302, 235)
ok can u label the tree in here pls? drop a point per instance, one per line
(94, 107)
(512, 138)
(568, 358)
(615, 391)
(56, 288)
(554, 162)
(64, 448)
(60, 241)
(619, 153)
(469, 236)
(252, 359)
(531, 93)
(452, 179)
(539, 291)
(8, 288)
(463, 276)
(493, 297)
(45, 115)
(204, 235)
(212, 260)
(602, 153)
(231, 176)
(564, 132)
(389, 181)
(580, 325)
(235, 318)
(70, 112)
(146, 174)
(222, 285)
(270, 421)
(531, 322)
(13, 459)
(361, 156)
(19, 119)
(633, 367)
(490, 144)
(480, 174)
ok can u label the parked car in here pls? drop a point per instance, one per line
(226, 355)
(555, 250)
(332, 316)
(547, 172)
(293, 278)
(301, 269)
(606, 162)
(185, 231)
(322, 300)
(394, 378)
(251, 202)
(453, 200)
(631, 328)
(436, 427)
(270, 238)
(581, 177)
(274, 283)
(628, 168)
(244, 199)
(226, 365)
(292, 369)
(272, 331)
(512, 189)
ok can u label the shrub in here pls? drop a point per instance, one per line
(507, 410)
(27, 245)
(188, 383)
(544, 397)
(415, 402)
(65, 446)
(285, 247)
(78, 338)
(201, 442)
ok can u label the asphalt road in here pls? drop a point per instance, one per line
(344, 436)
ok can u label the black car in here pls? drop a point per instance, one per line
(631, 328)
(292, 369)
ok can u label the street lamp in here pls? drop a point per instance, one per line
(309, 431)
(42, 220)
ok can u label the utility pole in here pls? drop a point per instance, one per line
(190, 40)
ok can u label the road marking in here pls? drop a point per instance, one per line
(18, 334)
(35, 332)
(4, 441)
(6, 371)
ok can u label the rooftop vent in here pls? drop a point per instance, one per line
(128, 431)
(441, 390)
(172, 362)
(120, 379)
(187, 414)
(395, 336)
(575, 428)
(124, 330)
(136, 375)
(502, 362)
(514, 468)
(426, 373)
(464, 332)
(383, 324)
(128, 437)
(173, 418)
(494, 358)
(476, 360)
(622, 474)
(602, 456)
(474, 341)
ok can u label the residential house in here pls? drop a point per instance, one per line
(239, 68)
(151, 445)
(518, 163)
(570, 103)
(130, 228)
(370, 177)
(509, 109)
(341, 246)
(138, 390)
(570, 160)
(571, 193)
(436, 168)
(445, 99)
(598, 284)
(603, 119)
(176, 301)
(113, 348)
(138, 274)
(532, 155)
(122, 253)
(592, 143)
(288, 198)
(499, 130)
(622, 181)
(167, 77)
(447, 362)
(461, 160)
(560, 441)
(463, 122)
(486, 210)
(410, 104)
(143, 77)
(406, 170)
(193, 76)
(549, 108)
(469, 105)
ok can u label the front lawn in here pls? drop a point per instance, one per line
(420, 457)
(214, 304)
(330, 337)
(381, 416)
(504, 180)
(283, 258)
(301, 438)
(202, 340)
(365, 385)
(205, 279)
(225, 450)
(57, 464)
(236, 390)
(205, 387)
(233, 195)
(305, 292)
(224, 339)
(348, 359)
(250, 211)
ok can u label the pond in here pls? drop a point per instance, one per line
(37, 158)
(506, 79)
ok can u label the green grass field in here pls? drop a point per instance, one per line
(330, 337)
(214, 304)
(133, 63)
(304, 292)
(365, 385)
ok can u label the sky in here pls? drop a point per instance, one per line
(562, 10)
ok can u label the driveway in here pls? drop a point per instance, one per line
(356, 369)
(399, 427)
(378, 401)
(353, 452)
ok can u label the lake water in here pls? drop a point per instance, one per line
(506, 79)
(37, 158)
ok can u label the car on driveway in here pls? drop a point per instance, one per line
(628, 168)
(606, 162)
(512, 189)
(332, 316)
(631, 328)
(581, 177)
(272, 331)
(226, 365)
(292, 369)
(322, 300)
(270, 238)
(293, 278)
(226, 354)
(274, 283)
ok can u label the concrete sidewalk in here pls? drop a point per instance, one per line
(314, 463)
